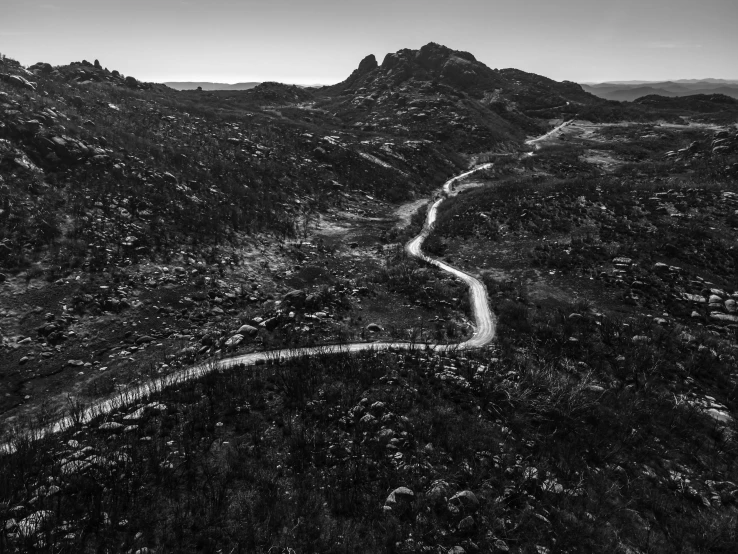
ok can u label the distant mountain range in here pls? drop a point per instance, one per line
(627, 91)
(191, 85)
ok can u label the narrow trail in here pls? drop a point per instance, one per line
(484, 334)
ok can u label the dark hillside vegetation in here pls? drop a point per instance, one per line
(138, 169)
(652, 235)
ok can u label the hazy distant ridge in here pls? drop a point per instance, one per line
(190, 85)
(629, 91)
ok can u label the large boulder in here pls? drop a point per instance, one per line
(464, 499)
(248, 331)
(42, 67)
(234, 341)
(399, 500)
(18, 81)
(438, 490)
(270, 324)
(35, 522)
(295, 298)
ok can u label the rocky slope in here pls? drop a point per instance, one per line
(134, 216)
(449, 96)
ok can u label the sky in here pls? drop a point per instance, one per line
(322, 41)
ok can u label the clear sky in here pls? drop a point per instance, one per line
(322, 41)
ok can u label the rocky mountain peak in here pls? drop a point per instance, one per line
(367, 64)
(434, 55)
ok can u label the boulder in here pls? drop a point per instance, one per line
(295, 298)
(18, 81)
(724, 317)
(399, 500)
(247, 330)
(111, 426)
(35, 522)
(31, 126)
(374, 328)
(43, 68)
(719, 415)
(465, 499)
(235, 340)
(312, 300)
(144, 339)
(270, 324)
(438, 490)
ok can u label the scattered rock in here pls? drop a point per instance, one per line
(295, 298)
(235, 340)
(466, 524)
(465, 499)
(248, 330)
(111, 426)
(270, 324)
(438, 490)
(399, 499)
(35, 522)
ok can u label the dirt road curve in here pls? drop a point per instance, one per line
(485, 321)
(484, 334)
(535, 141)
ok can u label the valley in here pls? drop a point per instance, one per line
(436, 307)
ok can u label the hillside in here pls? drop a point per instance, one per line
(137, 215)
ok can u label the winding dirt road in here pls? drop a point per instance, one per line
(535, 141)
(484, 334)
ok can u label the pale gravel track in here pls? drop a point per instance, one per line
(484, 334)
(535, 141)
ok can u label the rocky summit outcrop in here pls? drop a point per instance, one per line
(462, 72)
(367, 64)
(448, 96)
